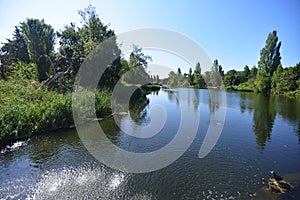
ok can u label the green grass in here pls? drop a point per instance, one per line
(27, 108)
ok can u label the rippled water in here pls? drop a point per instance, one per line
(260, 134)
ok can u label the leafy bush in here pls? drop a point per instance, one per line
(22, 70)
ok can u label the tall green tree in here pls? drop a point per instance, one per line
(270, 59)
(40, 39)
(253, 72)
(80, 43)
(190, 77)
(199, 81)
(137, 64)
(198, 68)
(93, 31)
(71, 50)
(216, 75)
(16, 47)
(246, 73)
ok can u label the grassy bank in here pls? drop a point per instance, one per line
(246, 88)
(27, 108)
(241, 88)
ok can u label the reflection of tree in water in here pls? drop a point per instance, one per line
(246, 101)
(298, 131)
(137, 109)
(265, 109)
(172, 96)
(289, 109)
(263, 118)
(214, 100)
(197, 98)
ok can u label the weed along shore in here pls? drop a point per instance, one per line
(29, 108)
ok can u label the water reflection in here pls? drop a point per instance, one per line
(265, 109)
(263, 118)
(137, 109)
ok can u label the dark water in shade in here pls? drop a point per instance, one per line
(261, 133)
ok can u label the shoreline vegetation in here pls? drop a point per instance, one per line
(36, 82)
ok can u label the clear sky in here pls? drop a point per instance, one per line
(233, 31)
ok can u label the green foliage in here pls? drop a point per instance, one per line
(284, 80)
(199, 81)
(231, 78)
(16, 47)
(198, 68)
(246, 73)
(43, 67)
(268, 63)
(253, 72)
(214, 77)
(39, 38)
(22, 70)
(133, 72)
(177, 79)
(76, 43)
(27, 108)
(71, 50)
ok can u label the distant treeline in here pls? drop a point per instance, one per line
(268, 77)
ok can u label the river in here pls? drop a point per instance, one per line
(260, 133)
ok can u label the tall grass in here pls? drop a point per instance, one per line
(27, 108)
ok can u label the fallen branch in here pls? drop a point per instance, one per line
(56, 76)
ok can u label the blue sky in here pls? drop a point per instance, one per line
(232, 31)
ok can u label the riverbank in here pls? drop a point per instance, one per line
(243, 88)
(28, 108)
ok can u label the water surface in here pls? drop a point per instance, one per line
(261, 133)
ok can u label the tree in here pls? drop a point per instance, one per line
(199, 81)
(284, 80)
(137, 64)
(269, 61)
(77, 44)
(43, 69)
(216, 74)
(16, 47)
(179, 71)
(172, 79)
(221, 71)
(198, 68)
(39, 38)
(71, 50)
(253, 72)
(157, 78)
(246, 73)
(190, 77)
(231, 78)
